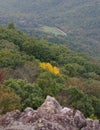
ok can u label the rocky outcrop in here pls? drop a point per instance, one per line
(50, 116)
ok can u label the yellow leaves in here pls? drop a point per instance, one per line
(50, 68)
(56, 70)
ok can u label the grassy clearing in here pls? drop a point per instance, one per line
(53, 30)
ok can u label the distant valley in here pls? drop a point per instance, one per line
(80, 20)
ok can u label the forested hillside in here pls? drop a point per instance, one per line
(31, 69)
(79, 19)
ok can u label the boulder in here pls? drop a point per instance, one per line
(50, 106)
(49, 116)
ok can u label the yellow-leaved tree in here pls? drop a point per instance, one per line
(50, 68)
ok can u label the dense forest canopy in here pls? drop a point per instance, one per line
(79, 19)
(31, 69)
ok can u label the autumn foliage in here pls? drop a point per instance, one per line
(50, 68)
(2, 74)
(8, 101)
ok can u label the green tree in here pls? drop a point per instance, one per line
(39, 49)
(50, 83)
(12, 35)
(79, 100)
(30, 94)
(73, 69)
(96, 105)
(11, 26)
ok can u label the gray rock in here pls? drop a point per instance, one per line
(49, 116)
(79, 119)
(50, 106)
(92, 125)
(9, 118)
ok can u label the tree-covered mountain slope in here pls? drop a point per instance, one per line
(31, 69)
(79, 19)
